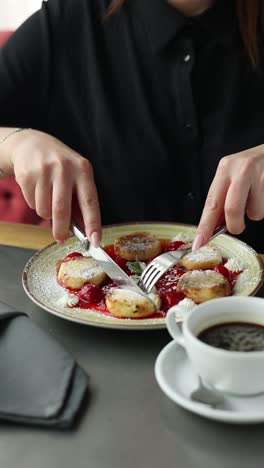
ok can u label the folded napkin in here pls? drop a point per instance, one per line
(40, 383)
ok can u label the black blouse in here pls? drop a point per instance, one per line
(152, 98)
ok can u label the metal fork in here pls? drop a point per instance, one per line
(159, 265)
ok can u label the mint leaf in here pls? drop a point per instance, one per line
(136, 267)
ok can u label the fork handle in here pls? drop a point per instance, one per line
(219, 230)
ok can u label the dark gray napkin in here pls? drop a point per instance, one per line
(40, 383)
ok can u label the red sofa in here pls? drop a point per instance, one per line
(13, 207)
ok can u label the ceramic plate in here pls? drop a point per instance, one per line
(177, 380)
(39, 275)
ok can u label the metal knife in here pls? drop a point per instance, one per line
(108, 265)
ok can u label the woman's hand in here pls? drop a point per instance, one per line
(237, 188)
(49, 173)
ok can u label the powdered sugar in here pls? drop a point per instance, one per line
(89, 272)
(137, 241)
(131, 295)
(198, 273)
(202, 278)
(126, 294)
(206, 252)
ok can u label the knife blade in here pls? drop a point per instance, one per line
(108, 265)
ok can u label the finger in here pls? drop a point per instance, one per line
(89, 206)
(213, 210)
(61, 208)
(255, 202)
(76, 212)
(235, 205)
(43, 197)
(28, 189)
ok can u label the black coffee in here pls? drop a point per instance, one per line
(234, 336)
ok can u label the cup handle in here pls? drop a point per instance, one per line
(173, 328)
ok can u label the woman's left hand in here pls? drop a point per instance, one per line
(237, 188)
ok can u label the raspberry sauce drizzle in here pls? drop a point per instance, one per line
(166, 286)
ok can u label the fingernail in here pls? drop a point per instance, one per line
(95, 239)
(60, 241)
(198, 242)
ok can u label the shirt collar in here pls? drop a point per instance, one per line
(164, 22)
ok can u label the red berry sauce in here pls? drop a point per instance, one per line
(92, 296)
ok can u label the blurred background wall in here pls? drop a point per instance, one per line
(13, 207)
(14, 12)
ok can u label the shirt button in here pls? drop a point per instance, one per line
(188, 126)
(191, 195)
(187, 58)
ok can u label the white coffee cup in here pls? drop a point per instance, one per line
(236, 372)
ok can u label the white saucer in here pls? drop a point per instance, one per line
(176, 378)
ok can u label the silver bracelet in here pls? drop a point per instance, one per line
(16, 130)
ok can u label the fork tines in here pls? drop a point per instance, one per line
(158, 266)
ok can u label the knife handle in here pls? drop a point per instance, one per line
(79, 233)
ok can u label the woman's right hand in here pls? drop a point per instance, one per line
(49, 173)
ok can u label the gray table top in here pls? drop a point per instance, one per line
(126, 421)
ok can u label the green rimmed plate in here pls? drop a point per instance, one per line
(39, 275)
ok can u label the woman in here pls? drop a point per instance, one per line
(156, 106)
